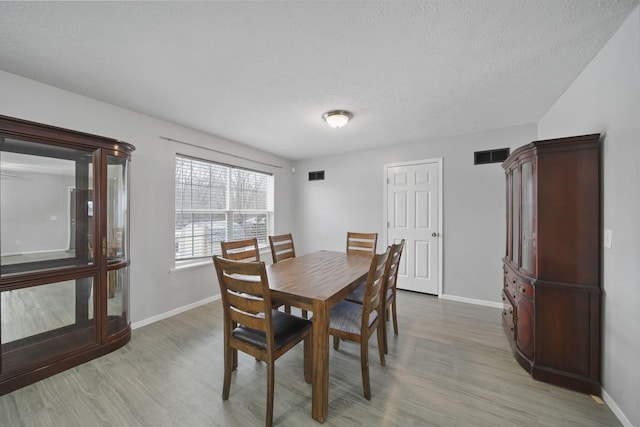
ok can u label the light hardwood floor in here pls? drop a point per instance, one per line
(451, 365)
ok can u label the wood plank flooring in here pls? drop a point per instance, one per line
(451, 365)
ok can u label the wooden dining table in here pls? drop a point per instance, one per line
(316, 282)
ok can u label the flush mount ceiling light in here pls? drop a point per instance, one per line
(337, 118)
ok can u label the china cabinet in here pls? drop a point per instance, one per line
(64, 249)
(551, 288)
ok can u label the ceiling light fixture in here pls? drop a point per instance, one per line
(337, 118)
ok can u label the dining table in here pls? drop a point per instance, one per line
(316, 282)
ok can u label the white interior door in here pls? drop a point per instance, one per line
(413, 210)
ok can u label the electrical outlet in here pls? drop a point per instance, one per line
(607, 239)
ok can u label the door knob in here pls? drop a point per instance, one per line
(434, 234)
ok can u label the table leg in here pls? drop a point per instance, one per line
(320, 393)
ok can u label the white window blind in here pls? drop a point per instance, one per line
(216, 202)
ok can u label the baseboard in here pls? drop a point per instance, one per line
(615, 409)
(472, 301)
(173, 312)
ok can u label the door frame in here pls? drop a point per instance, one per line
(440, 163)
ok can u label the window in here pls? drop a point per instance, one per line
(216, 202)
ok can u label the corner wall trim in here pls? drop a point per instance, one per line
(615, 409)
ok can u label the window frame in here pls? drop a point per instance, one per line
(211, 247)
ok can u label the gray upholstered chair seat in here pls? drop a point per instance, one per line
(358, 295)
(347, 316)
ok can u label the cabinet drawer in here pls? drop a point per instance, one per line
(524, 288)
(510, 282)
(508, 315)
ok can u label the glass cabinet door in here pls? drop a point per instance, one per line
(515, 216)
(46, 216)
(117, 244)
(47, 243)
(527, 216)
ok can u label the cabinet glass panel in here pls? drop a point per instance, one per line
(118, 300)
(46, 216)
(40, 322)
(515, 215)
(117, 215)
(527, 216)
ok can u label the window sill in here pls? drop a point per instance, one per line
(190, 266)
(209, 261)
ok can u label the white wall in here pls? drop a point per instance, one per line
(351, 199)
(154, 290)
(605, 98)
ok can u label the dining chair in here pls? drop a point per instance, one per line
(252, 326)
(361, 242)
(357, 322)
(388, 291)
(282, 247)
(246, 250)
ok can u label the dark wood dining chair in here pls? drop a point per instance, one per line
(361, 242)
(388, 291)
(282, 247)
(246, 250)
(252, 326)
(357, 322)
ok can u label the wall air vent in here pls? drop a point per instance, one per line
(316, 176)
(490, 156)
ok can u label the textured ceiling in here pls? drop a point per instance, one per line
(263, 73)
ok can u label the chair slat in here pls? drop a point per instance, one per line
(245, 303)
(249, 320)
(245, 250)
(245, 284)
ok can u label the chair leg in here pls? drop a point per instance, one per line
(228, 368)
(381, 340)
(385, 343)
(336, 342)
(304, 314)
(395, 316)
(287, 308)
(270, 391)
(364, 365)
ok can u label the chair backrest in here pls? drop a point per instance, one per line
(241, 250)
(246, 299)
(282, 247)
(393, 265)
(374, 284)
(358, 243)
